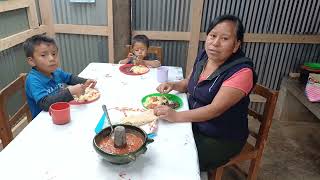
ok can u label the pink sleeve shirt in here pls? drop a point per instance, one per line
(242, 80)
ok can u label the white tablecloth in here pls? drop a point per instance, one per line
(47, 151)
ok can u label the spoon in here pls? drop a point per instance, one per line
(104, 107)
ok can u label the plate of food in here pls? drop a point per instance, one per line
(90, 95)
(131, 69)
(152, 100)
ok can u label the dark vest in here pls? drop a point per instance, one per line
(233, 123)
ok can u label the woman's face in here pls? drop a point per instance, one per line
(222, 41)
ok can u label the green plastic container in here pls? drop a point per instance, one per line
(315, 66)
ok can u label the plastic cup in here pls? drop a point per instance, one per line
(162, 74)
(60, 113)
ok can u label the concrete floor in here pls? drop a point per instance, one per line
(292, 153)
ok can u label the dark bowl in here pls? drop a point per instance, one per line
(123, 158)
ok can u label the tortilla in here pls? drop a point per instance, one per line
(140, 118)
(89, 95)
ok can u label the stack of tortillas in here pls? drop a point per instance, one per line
(140, 118)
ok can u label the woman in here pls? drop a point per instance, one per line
(218, 94)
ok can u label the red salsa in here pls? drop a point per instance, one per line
(134, 142)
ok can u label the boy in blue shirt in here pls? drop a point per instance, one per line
(46, 82)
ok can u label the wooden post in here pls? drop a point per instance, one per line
(47, 16)
(110, 26)
(122, 29)
(32, 15)
(195, 24)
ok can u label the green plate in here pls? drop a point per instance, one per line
(312, 65)
(170, 97)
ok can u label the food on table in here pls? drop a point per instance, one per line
(90, 94)
(139, 69)
(134, 142)
(153, 101)
(140, 119)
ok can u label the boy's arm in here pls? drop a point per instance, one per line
(76, 80)
(63, 95)
(152, 63)
(124, 61)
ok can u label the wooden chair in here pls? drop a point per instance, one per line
(254, 152)
(7, 123)
(151, 50)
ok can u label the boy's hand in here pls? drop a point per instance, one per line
(90, 83)
(130, 55)
(77, 89)
(140, 61)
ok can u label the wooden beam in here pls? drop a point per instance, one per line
(32, 15)
(47, 15)
(81, 29)
(276, 38)
(110, 25)
(13, 5)
(256, 98)
(18, 38)
(195, 25)
(165, 35)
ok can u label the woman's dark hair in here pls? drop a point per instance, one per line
(235, 19)
(36, 40)
(141, 38)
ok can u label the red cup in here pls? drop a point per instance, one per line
(60, 113)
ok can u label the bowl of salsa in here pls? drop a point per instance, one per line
(136, 142)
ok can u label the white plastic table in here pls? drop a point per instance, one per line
(47, 151)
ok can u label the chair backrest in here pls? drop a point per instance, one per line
(151, 50)
(265, 119)
(7, 122)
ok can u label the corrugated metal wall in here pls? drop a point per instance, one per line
(8, 28)
(66, 12)
(12, 63)
(164, 15)
(77, 51)
(272, 60)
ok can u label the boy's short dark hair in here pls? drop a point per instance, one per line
(36, 40)
(228, 17)
(142, 39)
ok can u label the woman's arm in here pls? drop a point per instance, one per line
(225, 98)
(181, 86)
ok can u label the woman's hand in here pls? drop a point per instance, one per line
(166, 113)
(88, 83)
(77, 89)
(165, 87)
